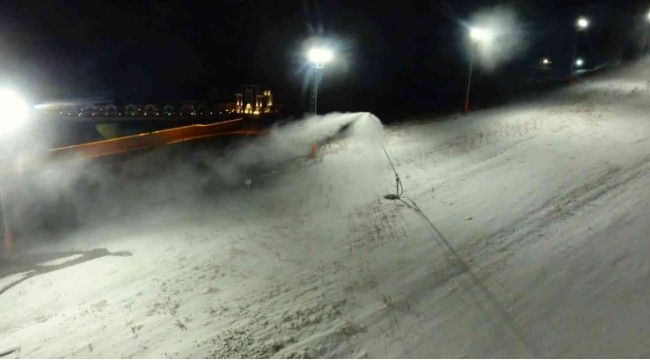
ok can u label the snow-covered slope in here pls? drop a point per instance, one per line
(543, 207)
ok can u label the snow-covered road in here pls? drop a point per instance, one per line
(543, 204)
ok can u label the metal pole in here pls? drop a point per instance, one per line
(645, 39)
(9, 241)
(4, 208)
(316, 91)
(469, 78)
(316, 80)
(573, 59)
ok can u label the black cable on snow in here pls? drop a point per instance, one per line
(411, 204)
(399, 189)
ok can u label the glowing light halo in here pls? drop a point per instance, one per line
(582, 23)
(320, 55)
(13, 110)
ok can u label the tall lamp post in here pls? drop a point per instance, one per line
(318, 56)
(645, 33)
(582, 24)
(14, 113)
(476, 35)
(8, 237)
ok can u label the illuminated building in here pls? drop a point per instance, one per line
(239, 103)
(253, 100)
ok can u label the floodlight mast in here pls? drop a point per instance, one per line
(469, 79)
(318, 56)
(316, 77)
(8, 237)
(476, 35)
(582, 24)
(645, 33)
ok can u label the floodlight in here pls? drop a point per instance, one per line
(320, 55)
(582, 23)
(479, 34)
(13, 110)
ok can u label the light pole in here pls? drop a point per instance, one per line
(645, 33)
(8, 237)
(318, 56)
(14, 113)
(582, 24)
(476, 35)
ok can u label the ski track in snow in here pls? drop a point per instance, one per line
(545, 202)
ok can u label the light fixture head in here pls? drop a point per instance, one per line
(320, 55)
(582, 23)
(13, 110)
(479, 34)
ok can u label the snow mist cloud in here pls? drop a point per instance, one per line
(248, 176)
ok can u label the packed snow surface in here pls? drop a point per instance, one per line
(543, 209)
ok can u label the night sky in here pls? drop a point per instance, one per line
(394, 57)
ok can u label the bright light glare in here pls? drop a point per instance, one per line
(579, 62)
(648, 16)
(13, 110)
(320, 55)
(479, 34)
(582, 23)
(546, 61)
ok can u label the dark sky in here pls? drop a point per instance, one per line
(392, 55)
